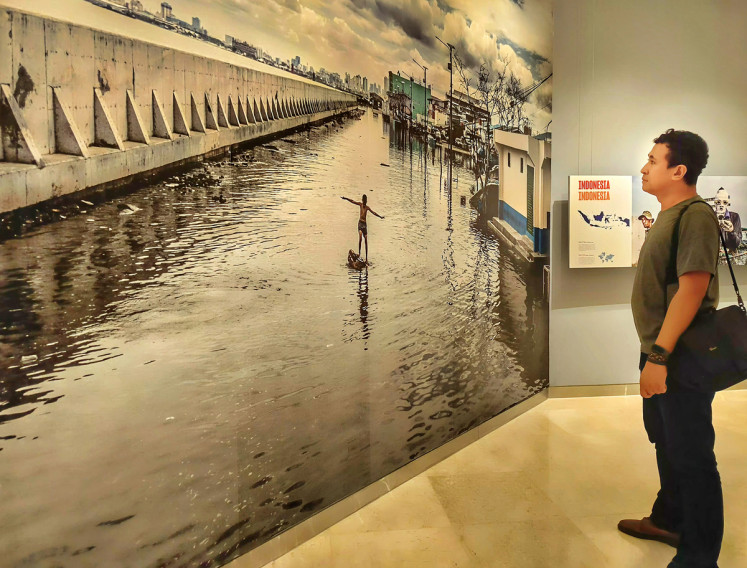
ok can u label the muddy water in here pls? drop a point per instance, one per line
(193, 368)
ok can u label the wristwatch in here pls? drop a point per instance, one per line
(658, 355)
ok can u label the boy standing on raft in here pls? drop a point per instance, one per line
(362, 229)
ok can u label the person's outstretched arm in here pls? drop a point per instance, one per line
(375, 213)
(351, 201)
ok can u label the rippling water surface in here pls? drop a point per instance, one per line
(192, 368)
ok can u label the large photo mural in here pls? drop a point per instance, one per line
(197, 363)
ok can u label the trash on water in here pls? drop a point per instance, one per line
(127, 209)
(169, 419)
(26, 359)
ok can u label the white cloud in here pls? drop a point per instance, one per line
(372, 37)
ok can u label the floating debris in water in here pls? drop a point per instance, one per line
(385, 165)
(115, 521)
(27, 359)
(127, 209)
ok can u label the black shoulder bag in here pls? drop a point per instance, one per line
(711, 354)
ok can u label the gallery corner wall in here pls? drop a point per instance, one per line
(623, 73)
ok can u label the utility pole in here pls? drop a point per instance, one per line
(425, 97)
(451, 101)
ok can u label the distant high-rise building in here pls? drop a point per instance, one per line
(386, 84)
(165, 10)
(365, 84)
(229, 41)
(296, 61)
(196, 25)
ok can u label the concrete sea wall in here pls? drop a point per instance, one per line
(82, 108)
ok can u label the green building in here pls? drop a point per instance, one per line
(420, 95)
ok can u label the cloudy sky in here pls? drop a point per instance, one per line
(372, 37)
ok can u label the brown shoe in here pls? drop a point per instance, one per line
(645, 529)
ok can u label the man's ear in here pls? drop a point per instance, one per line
(679, 172)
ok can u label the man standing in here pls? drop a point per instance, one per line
(688, 512)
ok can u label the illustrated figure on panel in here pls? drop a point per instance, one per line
(729, 221)
(640, 232)
(362, 226)
(688, 512)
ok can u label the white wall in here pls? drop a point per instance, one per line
(623, 73)
(514, 181)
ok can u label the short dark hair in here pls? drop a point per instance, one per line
(365, 198)
(686, 149)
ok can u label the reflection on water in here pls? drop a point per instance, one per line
(193, 368)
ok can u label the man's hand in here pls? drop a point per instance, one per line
(653, 380)
(727, 225)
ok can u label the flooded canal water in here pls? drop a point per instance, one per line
(192, 368)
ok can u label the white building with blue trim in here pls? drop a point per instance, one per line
(524, 189)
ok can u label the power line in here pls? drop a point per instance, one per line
(529, 90)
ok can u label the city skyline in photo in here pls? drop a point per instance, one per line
(373, 37)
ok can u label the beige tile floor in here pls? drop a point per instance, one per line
(545, 490)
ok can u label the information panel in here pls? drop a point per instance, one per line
(600, 211)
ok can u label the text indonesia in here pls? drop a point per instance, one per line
(591, 190)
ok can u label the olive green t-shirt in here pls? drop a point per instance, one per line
(697, 251)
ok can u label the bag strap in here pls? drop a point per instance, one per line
(731, 270)
(672, 267)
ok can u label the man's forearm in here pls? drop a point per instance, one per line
(680, 314)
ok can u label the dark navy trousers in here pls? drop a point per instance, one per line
(690, 502)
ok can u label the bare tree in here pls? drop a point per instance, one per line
(499, 93)
(490, 85)
(517, 98)
(466, 80)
